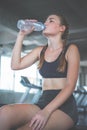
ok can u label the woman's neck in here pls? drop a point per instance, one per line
(54, 44)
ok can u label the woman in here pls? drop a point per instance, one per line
(59, 67)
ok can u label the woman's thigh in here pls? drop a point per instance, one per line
(57, 121)
(17, 114)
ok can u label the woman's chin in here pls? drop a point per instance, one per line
(45, 33)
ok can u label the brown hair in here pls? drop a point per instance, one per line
(62, 63)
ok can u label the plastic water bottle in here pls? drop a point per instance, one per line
(26, 25)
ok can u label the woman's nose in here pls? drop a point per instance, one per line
(46, 23)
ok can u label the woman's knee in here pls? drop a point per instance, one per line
(4, 118)
(3, 110)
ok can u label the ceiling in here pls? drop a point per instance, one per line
(11, 11)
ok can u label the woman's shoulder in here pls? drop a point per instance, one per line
(72, 49)
(39, 50)
(71, 46)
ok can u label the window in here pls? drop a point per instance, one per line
(10, 79)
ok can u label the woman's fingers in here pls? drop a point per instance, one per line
(39, 121)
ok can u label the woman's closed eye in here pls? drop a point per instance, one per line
(51, 21)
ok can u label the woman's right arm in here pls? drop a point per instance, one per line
(18, 62)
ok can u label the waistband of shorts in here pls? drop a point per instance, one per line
(51, 91)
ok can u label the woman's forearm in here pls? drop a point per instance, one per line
(16, 54)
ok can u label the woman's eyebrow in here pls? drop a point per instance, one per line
(51, 18)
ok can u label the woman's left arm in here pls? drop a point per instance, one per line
(73, 59)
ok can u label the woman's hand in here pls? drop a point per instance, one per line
(39, 121)
(29, 31)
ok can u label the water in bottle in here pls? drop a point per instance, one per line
(26, 25)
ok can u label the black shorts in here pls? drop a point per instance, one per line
(69, 107)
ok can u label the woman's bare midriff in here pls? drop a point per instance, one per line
(53, 83)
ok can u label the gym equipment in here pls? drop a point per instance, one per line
(26, 83)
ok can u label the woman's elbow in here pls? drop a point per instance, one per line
(14, 67)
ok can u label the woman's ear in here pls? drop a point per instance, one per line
(62, 28)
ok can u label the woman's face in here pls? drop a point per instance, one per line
(53, 25)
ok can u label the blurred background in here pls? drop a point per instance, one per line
(24, 86)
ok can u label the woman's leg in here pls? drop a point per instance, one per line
(16, 115)
(58, 121)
